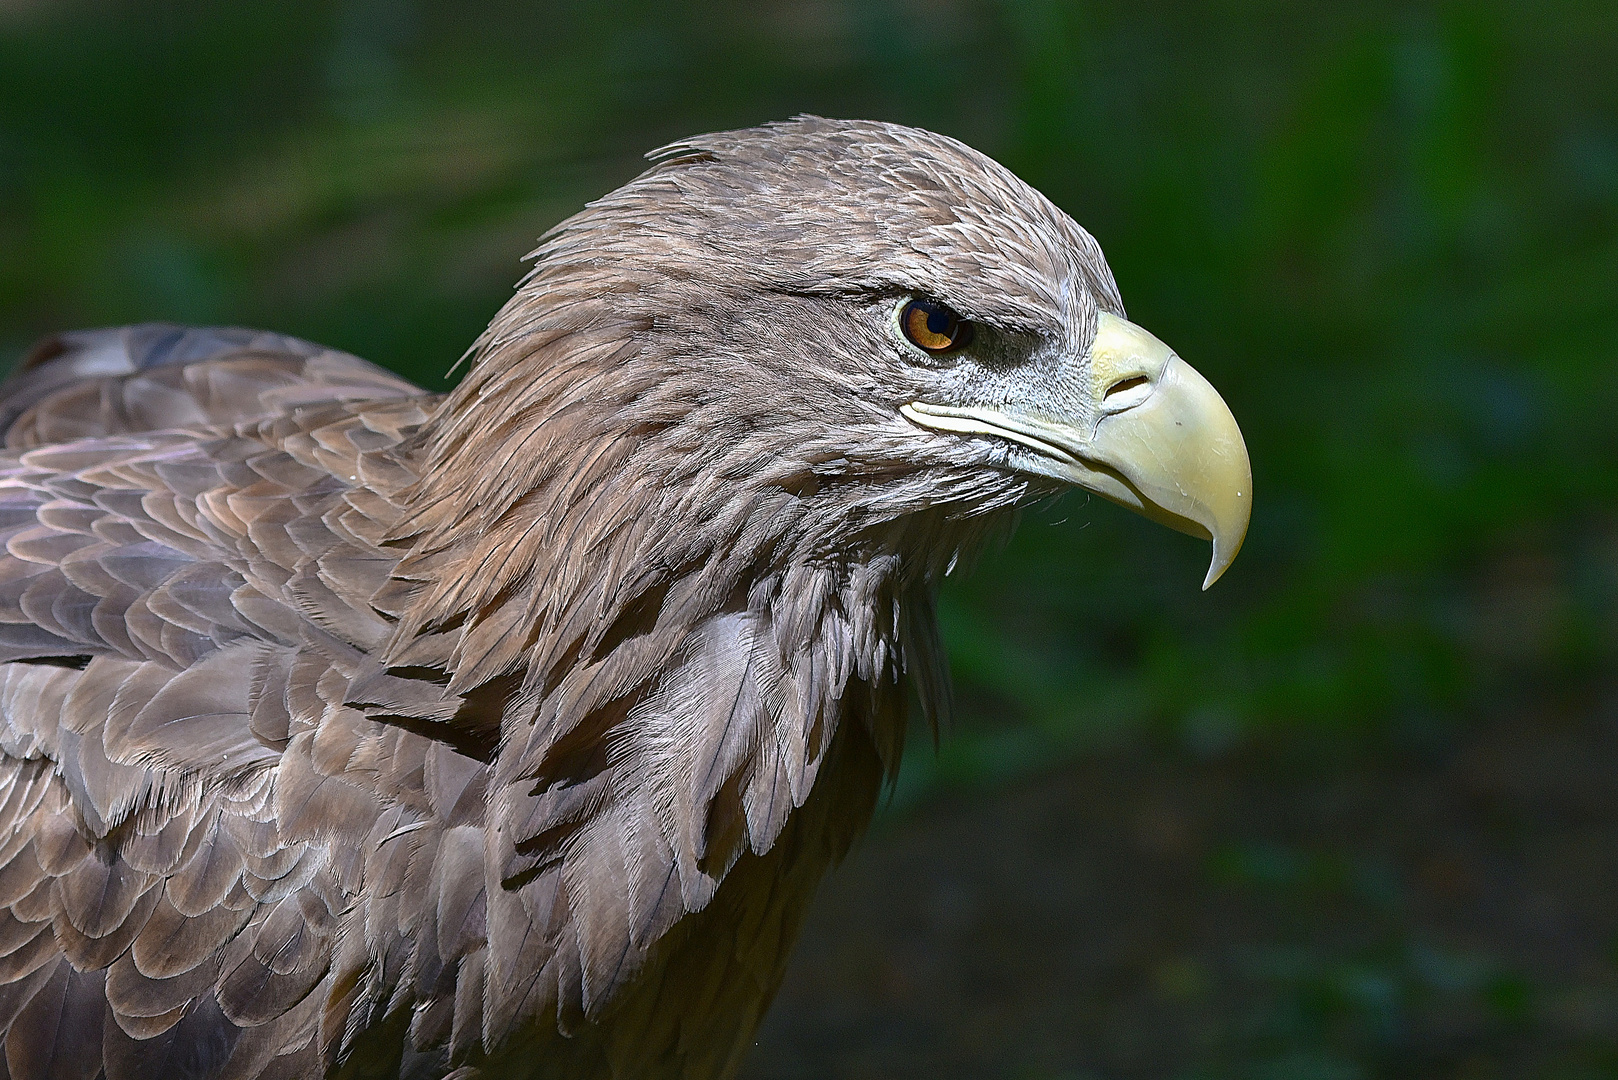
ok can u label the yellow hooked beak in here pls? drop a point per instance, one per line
(1157, 439)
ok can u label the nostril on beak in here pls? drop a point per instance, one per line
(1124, 384)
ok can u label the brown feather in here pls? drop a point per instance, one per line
(57, 1036)
(93, 953)
(197, 1044)
(131, 993)
(171, 943)
(98, 895)
(201, 884)
(20, 876)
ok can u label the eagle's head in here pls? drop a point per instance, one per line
(872, 314)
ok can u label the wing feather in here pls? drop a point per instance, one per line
(183, 793)
(57, 1035)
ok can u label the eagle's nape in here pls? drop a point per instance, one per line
(350, 729)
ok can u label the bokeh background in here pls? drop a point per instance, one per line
(1354, 812)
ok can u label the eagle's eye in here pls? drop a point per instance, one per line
(932, 327)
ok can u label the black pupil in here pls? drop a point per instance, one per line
(938, 322)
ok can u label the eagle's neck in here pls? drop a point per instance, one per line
(687, 765)
(677, 639)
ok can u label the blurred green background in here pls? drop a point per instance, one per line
(1387, 232)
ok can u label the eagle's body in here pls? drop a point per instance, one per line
(352, 729)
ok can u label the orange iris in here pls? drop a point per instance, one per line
(931, 326)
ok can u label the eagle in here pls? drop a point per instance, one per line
(352, 730)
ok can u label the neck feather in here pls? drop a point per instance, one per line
(679, 620)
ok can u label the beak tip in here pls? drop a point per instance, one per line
(1223, 555)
